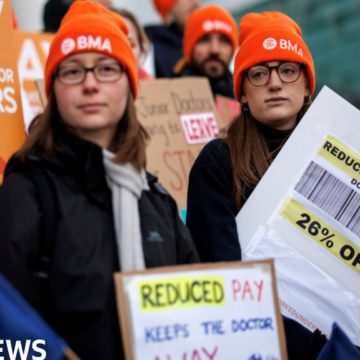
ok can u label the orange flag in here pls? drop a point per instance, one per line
(12, 131)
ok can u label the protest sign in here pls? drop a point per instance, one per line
(180, 116)
(32, 51)
(201, 312)
(12, 132)
(312, 206)
(227, 109)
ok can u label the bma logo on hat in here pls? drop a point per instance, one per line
(67, 46)
(216, 25)
(270, 43)
(208, 25)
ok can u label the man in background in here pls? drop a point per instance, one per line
(210, 40)
(166, 39)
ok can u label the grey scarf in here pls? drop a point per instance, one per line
(126, 185)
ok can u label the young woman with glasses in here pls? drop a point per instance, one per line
(274, 77)
(76, 204)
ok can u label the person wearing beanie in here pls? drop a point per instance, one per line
(274, 78)
(76, 204)
(167, 38)
(210, 40)
(139, 42)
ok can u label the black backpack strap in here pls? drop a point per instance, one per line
(48, 203)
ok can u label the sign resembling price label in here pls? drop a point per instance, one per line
(325, 235)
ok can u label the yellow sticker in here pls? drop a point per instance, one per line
(181, 293)
(325, 235)
(341, 156)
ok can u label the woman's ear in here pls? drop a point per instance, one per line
(243, 98)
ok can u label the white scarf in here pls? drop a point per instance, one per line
(126, 185)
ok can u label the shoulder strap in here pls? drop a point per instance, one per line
(49, 208)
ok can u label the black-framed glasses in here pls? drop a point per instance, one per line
(76, 74)
(288, 72)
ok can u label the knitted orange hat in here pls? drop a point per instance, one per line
(164, 7)
(89, 26)
(207, 20)
(270, 36)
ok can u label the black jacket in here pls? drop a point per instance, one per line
(167, 46)
(211, 212)
(81, 299)
(225, 87)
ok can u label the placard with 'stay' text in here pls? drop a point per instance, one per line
(201, 312)
(181, 117)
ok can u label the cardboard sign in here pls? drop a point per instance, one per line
(12, 132)
(181, 117)
(227, 109)
(201, 312)
(310, 199)
(32, 52)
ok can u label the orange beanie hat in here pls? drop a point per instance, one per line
(89, 26)
(270, 36)
(164, 7)
(207, 20)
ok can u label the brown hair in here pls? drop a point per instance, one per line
(142, 38)
(250, 155)
(129, 142)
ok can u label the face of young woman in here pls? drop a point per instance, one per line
(93, 109)
(276, 104)
(134, 41)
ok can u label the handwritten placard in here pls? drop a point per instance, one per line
(201, 312)
(181, 117)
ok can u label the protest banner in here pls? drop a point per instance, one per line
(181, 117)
(32, 51)
(12, 131)
(201, 312)
(305, 213)
(227, 109)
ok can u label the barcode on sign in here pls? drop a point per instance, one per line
(332, 196)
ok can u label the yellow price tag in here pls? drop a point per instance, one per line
(325, 235)
(341, 156)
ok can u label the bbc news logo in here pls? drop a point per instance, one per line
(18, 350)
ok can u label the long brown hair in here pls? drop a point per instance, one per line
(129, 142)
(250, 155)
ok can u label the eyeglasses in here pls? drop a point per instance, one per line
(288, 72)
(76, 74)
